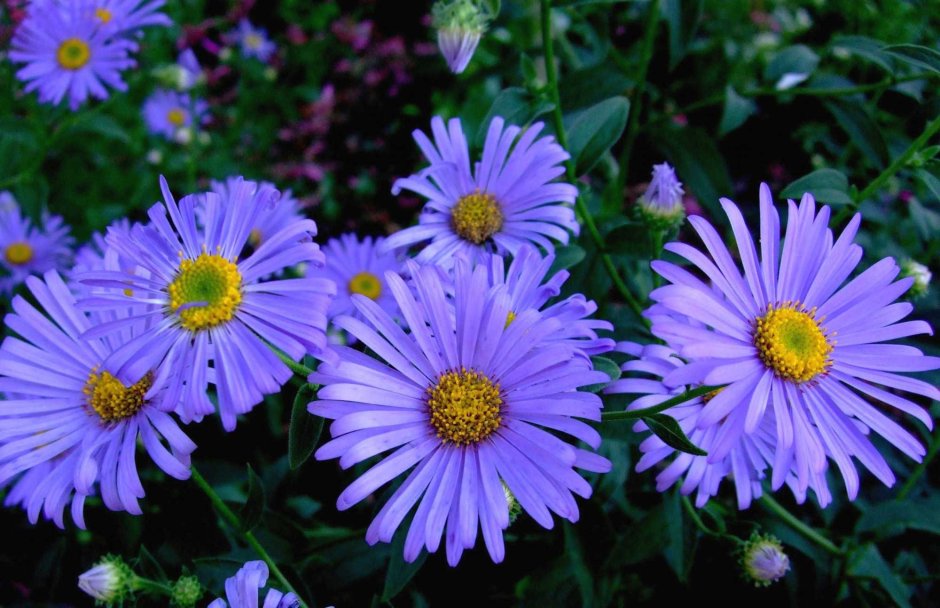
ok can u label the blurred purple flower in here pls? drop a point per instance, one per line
(166, 112)
(27, 249)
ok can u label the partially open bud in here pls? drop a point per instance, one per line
(514, 507)
(109, 581)
(921, 275)
(459, 24)
(661, 205)
(763, 559)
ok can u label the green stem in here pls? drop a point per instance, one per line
(580, 207)
(836, 91)
(777, 509)
(148, 586)
(916, 473)
(232, 519)
(298, 368)
(662, 407)
(636, 98)
(700, 524)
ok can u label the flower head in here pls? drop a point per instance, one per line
(763, 560)
(254, 41)
(506, 201)
(74, 415)
(167, 112)
(27, 249)
(212, 306)
(66, 52)
(241, 590)
(126, 17)
(285, 213)
(793, 339)
(459, 24)
(464, 401)
(661, 204)
(109, 581)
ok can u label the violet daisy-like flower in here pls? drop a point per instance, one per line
(167, 112)
(464, 401)
(746, 463)
(793, 337)
(286, 212)
(506, 201)
(67, 53)
(254, 41)
(126, 17)
(358, 267)
(529, 286)
(213, 307)
(73, 418)
(241, 590)
(29, 249)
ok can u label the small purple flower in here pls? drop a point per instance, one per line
(793, 336)
(167, 112)
(72, 417)
(26, 249)
(508, 200)
(211, 306)
(663, 196)
(285, 213)
(254, 41)
(126, 17)
(465, 401)
(66, 52)
(241, 590)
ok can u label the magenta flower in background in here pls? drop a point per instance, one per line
(72, 418)
(212, 306)
(791, 338)
(167, 112)
(26, 249)
(507, 200)
(466, 401)
(241, 590)
(254, 41)
(67, 53)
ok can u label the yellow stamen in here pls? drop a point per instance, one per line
(73, 53)
(791, 342)
(210, 282)
(509, 319)
(366, 284)
(253, 41)
(18, 253)
(177, 117)
(476, 217)
(464, 406)
(103, 15)
(113, 401)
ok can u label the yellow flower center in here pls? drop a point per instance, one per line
(253, 41)
(790, 341)
(18, 253)
(103, 15)
(464, 407)
(476, 217)
(113, 401)
(366, 284)
(73, 53)
(206, 292)
(509, 319)
(176, 116)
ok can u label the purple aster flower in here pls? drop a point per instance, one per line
(285, 213)
(748, 459)
(28, 249)
(508, 200)
(73, 418)
(167, 112)
(527, 286)
(66, 52)
(213, 307)
(241, 590)
(254, 41)
(465, 401)
(357, 267)
(792, 337)
(127, 17)
(190, 72)
(459, 24)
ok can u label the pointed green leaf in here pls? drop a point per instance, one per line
(666, 428)
(826, 186)
(916, 55)
(595, 130)
(305, 428)
(251, 512)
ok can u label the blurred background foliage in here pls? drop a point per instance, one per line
(807, 96)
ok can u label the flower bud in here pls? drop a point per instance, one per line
(459, 24)
(921, 275)
(186, 592)
(514, 507)
(109, 581)
(763, 559)
(661, 205)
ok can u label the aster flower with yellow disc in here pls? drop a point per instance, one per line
(463, 401)
(126, 17)
(506, 200)
(75, 411)
(795, 338)
(67, 53)
(29, 249)
(211, 306)
(166, 112)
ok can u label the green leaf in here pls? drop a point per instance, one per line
(737, 110)
(566, 257)
(826, 186)
(148, 566)
(892, 518)
(399, 571)
(864, 47)
(530, 74)
(305, 428)
(251, 512)
(916, 55)
(666, 428)
(867, 562)
(791, 66)
(100, 124)
(629, 238)
(588, 86)
(603, 364)
(579, 567)
(516, 106)
(492, 7)
(931, 181)
(595, 130)
(862, 130)
(682, 20)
